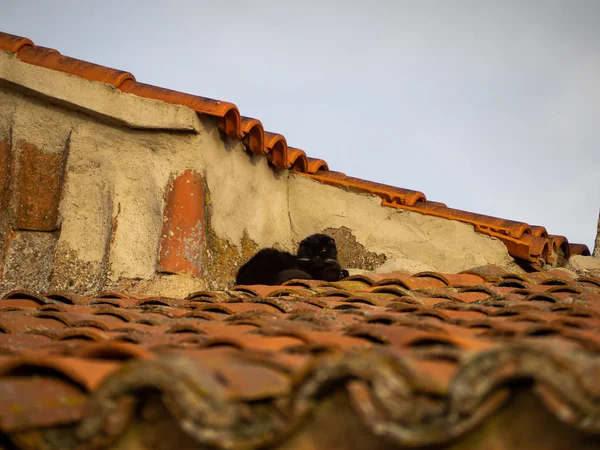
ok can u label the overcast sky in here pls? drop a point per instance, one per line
(487, 106)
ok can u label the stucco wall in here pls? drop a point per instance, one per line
(118, 154)
(410, 241)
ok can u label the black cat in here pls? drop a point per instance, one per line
(316, 259)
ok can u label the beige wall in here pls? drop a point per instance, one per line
(121, 152)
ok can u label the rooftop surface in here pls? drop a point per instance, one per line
(429, 360)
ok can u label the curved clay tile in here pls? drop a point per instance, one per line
(52, 59)
(24, 294)
(120, 351)
(579, 249)
(227, 112)
(85, 373)
(517, 248)
(315, 165)
(539, 231)
(254, 135)
(538, 246)
(12, 43)
(183, 217)
(298, 159)
(389, 194)
(438, 204)
(278, 150)
(560, 245)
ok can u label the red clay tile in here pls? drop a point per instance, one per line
(18, 322)
(538, 246)
(331, 340)
(373, 279)
(469, 297)
(21, 343)
(25, 294)
(538, 231)
(559, 274)
(399, 336)
(262, 290)
(161, 302)
(298, 159)
(234, 308)
(463, 279)
(111, 294)
(400, 293)
(228, 113)
(13, 43)
(86, 374)
(463, 317)
(589, 282)
(121, 314)
(369, 299)
(68, 298)
(278, 150)
(560, 246)
(257, 342)
(182, 235)
(254, 135)
(243, 378)
(39, 185)
(52, 59)
(506, 227)
(579, 249)
(18, 304)
(422, 282)
(27, 403)
(347, 284)
(316, 165)
(490, 273)
(209, 296)
(390, 195)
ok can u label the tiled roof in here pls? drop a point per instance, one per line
(524, 241)
(425, 359)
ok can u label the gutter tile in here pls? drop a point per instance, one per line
(182, 235)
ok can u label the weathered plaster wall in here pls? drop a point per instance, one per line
(116, 155)
(410, 241)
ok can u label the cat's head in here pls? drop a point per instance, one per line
(317, 247)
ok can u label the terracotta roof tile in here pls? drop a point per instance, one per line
(298, 159)
(530, 243)
(260, 361)
(183, 220)
(254, 135)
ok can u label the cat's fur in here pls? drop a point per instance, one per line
(316, 259)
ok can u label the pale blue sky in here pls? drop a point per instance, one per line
(487, 106)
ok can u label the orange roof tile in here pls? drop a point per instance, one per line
(527, 242)
(182, 231)
(426, 362)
